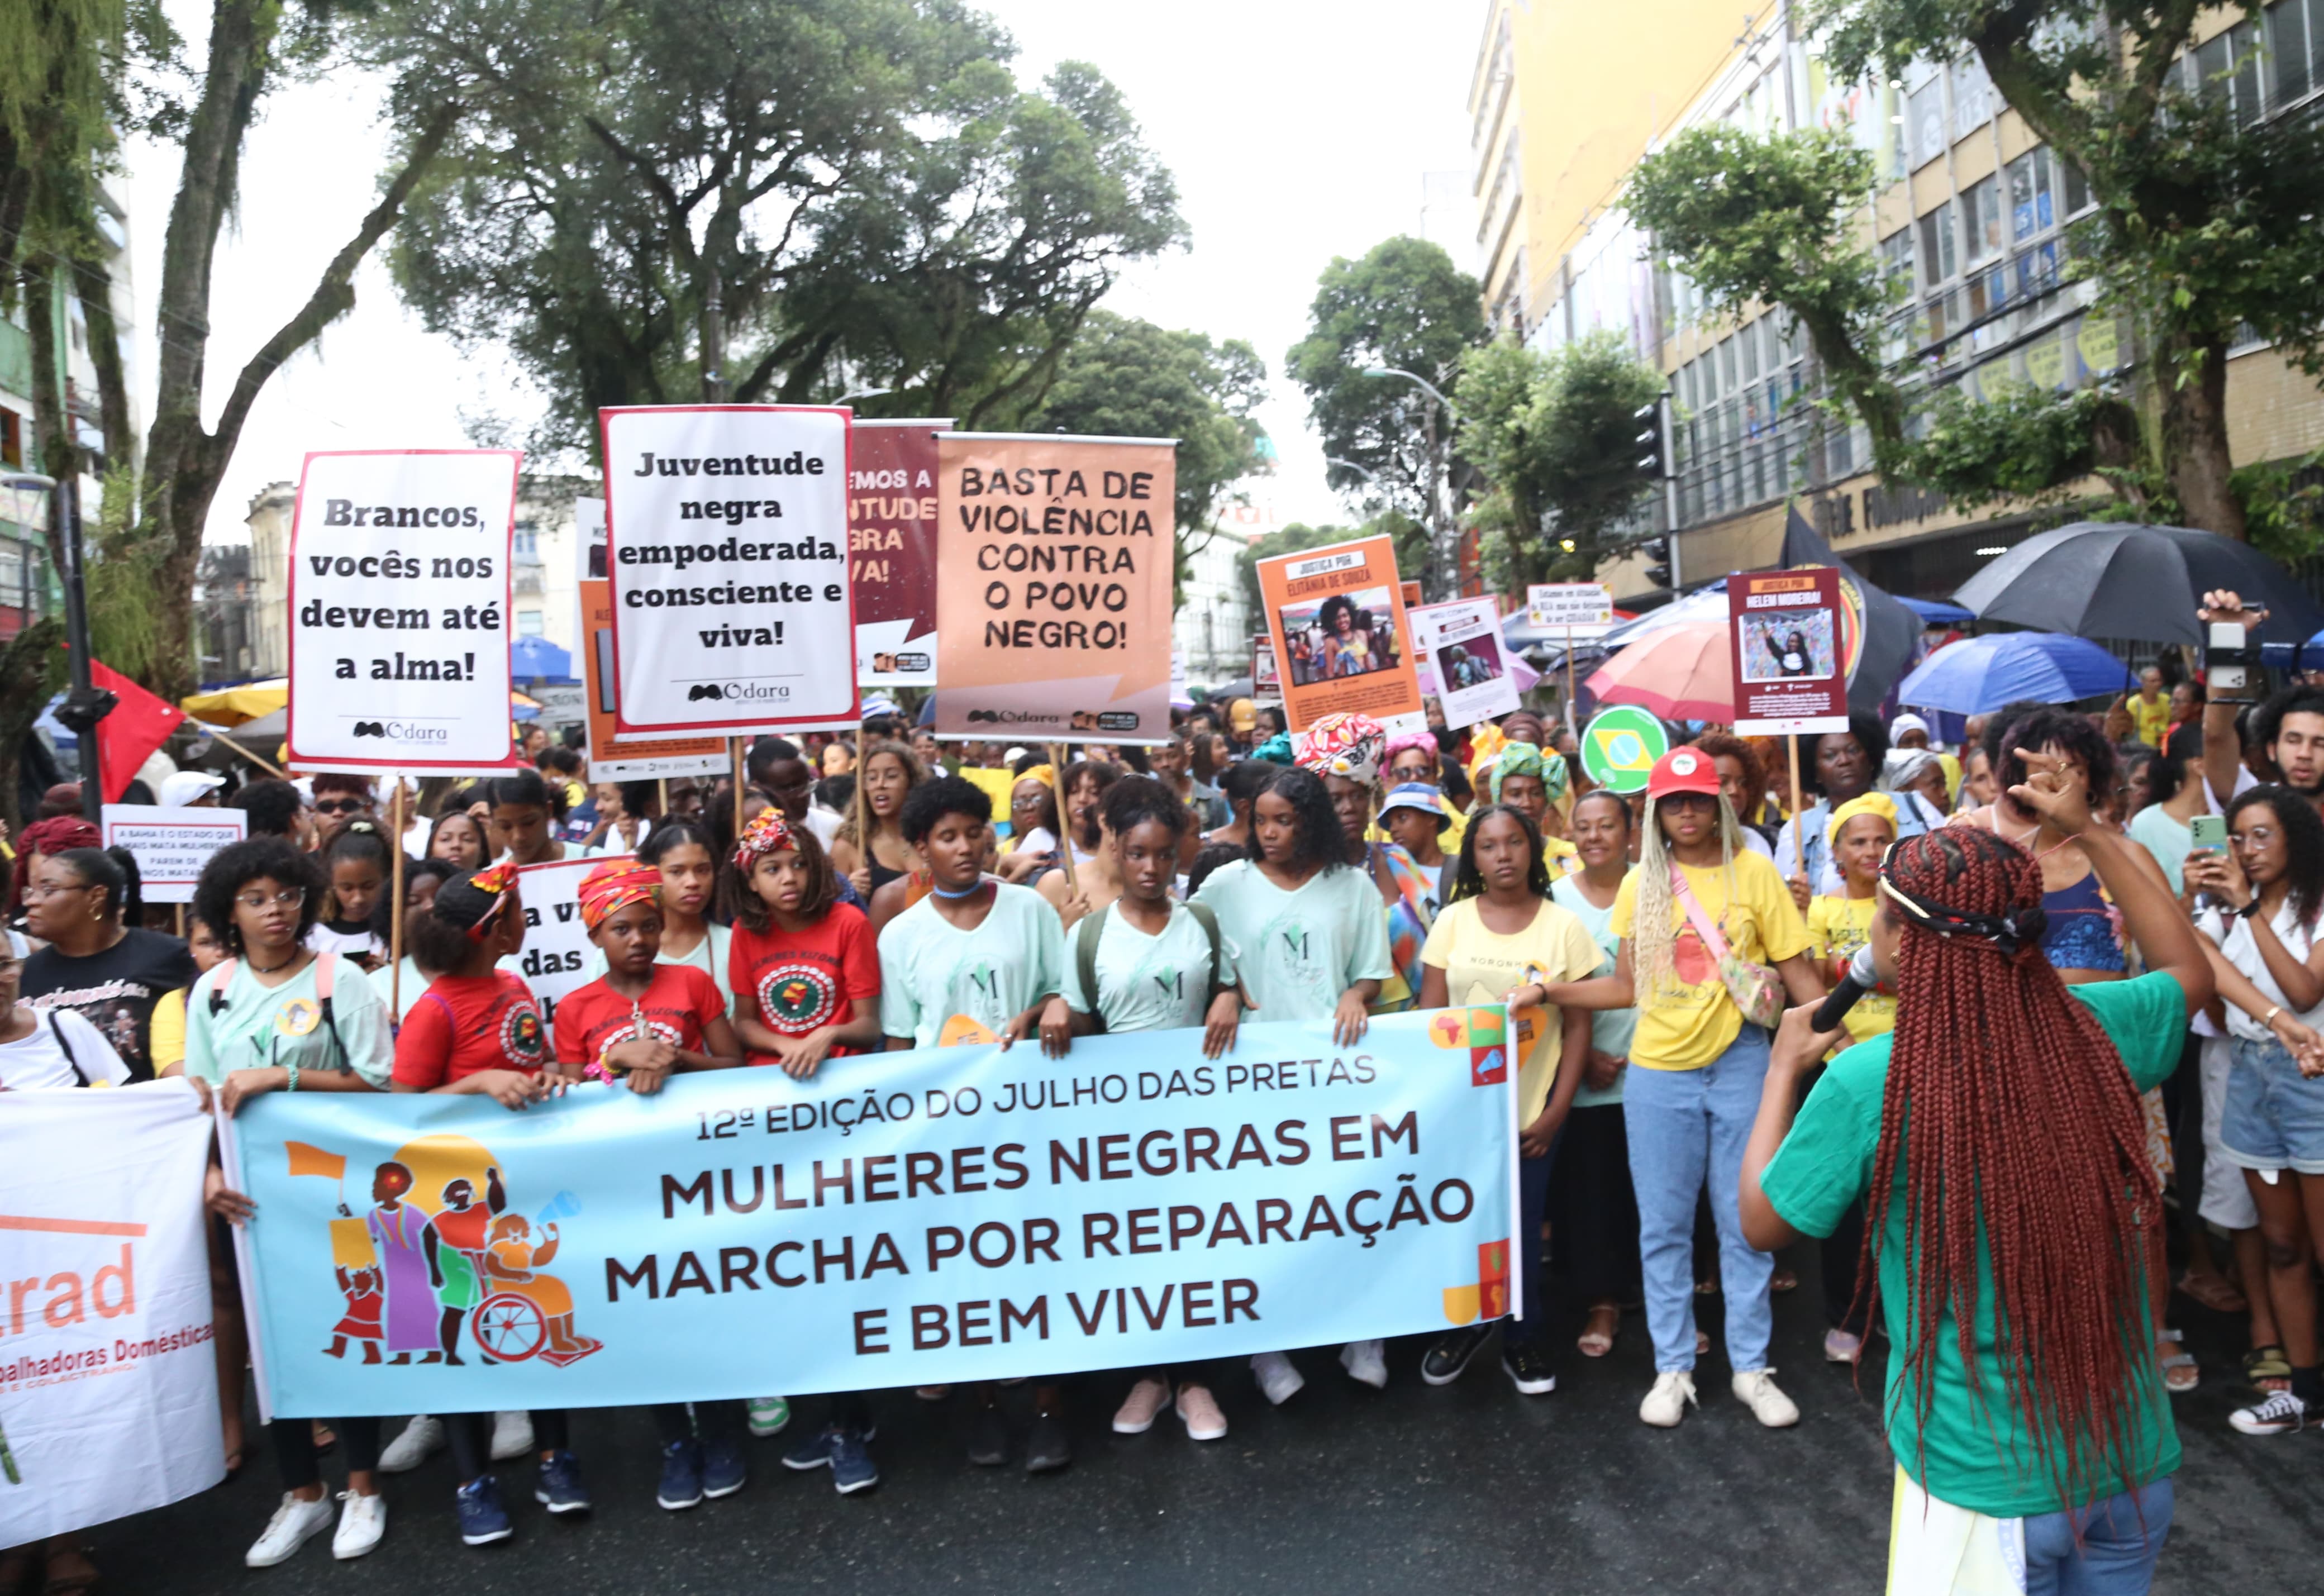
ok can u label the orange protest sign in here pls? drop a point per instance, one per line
(613, 758)
(1053, 558)
(1342, 639)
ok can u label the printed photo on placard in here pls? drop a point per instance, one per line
(1780, 648)
(1266, 679)
(891, 520)
(1341, 638)
(1346, 634)
(1785, 630)
(1460, 640)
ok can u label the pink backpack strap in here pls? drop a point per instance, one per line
(1704, 928)
(326, 966)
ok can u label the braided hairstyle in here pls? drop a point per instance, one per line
(2022, 1122)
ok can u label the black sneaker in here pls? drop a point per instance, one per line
(1048, 1446)
(1449, 1357)
(988, 1438)
(1529, 1369)
(2279, 1415)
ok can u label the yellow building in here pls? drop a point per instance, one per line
(1970, 215)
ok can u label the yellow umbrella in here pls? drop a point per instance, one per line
(230, 707)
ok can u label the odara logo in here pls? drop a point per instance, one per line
(445, 1265)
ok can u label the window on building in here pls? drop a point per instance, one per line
(2243, 44)
(2031, 209)
(528, 623)
(1972, 95)
(2295, 50)
(1896, 256)
(1982, 234)
(528, 544)
(12, 438)
(1924, 120)
(1938, 263)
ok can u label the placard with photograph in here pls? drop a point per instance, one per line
(1790, 675)
(1461, 641)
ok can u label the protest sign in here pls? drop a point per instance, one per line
(1054, 559)
(399, 600)
(171, 845)
(1338, 620)
(1621, 745)
(108, 1379)
(612, 756)
(1266, 676)
(555, 958)
(891, 524)
(1462, 639)
(1586, 609)
(727, 549)
(942, 1215)
(1791, 675)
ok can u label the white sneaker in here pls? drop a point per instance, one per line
(362, 1522)
(423, 1435)
(511, 1436)
(1667, 1402)
(294, 1524)
(1366, 1361)
(1756, 1389)
(1279, 1382)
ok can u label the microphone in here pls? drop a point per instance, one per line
(1858, 979)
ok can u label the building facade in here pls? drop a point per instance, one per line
(1970, 220)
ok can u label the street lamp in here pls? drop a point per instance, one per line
(33, 499)
(1429, 387)
(1443, 559)
(863, 393)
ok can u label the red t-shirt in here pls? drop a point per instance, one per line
(803, 980)
(466, 1023)
(678, 1005)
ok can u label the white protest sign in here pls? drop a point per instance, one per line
(171, 845)
(726, 543)
(108, 1379)
(555, 958)
(1462, 639)
(399, 592)
(1583, 608)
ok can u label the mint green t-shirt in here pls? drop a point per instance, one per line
(1611, 1029)
(1148, 982)
(1979, 1452)
(264, 1026)
(1299, 951)
(931, 970)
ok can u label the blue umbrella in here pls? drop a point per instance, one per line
(533, 657)
(1937, 612)
(1981, 674)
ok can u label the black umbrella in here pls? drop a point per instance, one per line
(1891, 630)
(2118, 579)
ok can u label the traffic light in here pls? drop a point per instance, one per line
(1648, 420)
(1658, 552)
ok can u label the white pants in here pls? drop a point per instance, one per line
(2225, 1201)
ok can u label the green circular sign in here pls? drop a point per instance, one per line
(1621, 745)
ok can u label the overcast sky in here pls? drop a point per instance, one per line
(1297, 130)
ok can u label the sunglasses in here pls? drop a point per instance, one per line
(338, 806)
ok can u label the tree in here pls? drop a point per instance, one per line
(1125, 378)
(2205, 222)
(735, 199)
(1557, 437)
(1404, 306)
(1772, 220)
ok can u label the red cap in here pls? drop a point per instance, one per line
(1683, 770)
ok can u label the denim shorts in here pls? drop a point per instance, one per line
(2274, 1115)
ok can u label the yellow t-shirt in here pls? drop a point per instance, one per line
(1691, 1020)
(1561, 856)
(169, 1029)
(1483, 966)
(2152, 720)
(994, 784)
(1837, 928)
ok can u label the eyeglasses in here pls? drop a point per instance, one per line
(31, 893)
(289, 898)
(338, 807)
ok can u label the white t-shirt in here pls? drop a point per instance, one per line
(362, 944)
(931, 970)
(1148, 982)
(825, 822)
(2234, 938)
(1298, 951)
(38, 1062)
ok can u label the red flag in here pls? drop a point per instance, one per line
(126, 739)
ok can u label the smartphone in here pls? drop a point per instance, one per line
(2211, 832)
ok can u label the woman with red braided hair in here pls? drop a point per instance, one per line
(1996, 1139)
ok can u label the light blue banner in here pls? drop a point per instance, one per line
(929, 1217)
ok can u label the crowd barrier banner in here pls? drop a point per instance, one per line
(108, 1379)
(727, 549)
(926, 1217)
(1053, 558)
(171, 845)
(1342, 634)
(399, 603)
(892, 523)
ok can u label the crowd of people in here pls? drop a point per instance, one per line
(2049, 923)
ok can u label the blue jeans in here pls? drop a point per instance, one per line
(1685, 1125)
(2122, 1538)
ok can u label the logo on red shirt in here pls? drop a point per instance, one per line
(798, 997)
(521, 1041)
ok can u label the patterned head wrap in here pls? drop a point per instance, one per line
(614, 886)
(1523, 759)
(1869, 803)
(475, 901)
(1424, 741)
(1345, 745)
(769, 833)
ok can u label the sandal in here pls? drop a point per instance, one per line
(1597, 1343)
(70, 1581)
(1783, 1280)
(2264, 1365)
(2215, 1292)
(2179, 1372)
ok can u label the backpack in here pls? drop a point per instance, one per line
(1093, 926)
(326, 966)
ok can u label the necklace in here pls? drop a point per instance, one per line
(258, 969)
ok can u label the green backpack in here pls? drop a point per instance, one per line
(1093, 926)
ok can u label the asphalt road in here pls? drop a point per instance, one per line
(1470, 1488)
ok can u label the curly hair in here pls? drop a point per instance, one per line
(1134, 800)
(1871, 736)
(1727, 745)
(2303, 844)
(915, 773)
(1468, 881)
(751, 911)
(260, 858)
(931, 801)
(2070, 734)
(1320, 843)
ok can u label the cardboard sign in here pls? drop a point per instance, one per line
(891, 526)
(1054, 559)
(1583, 608)
(171, 845)
(726, 543)
(1621, 745)
(1461, 641)
(1340, 627)
(612, 756)
(1266, 678)
(1791, 672)
(399, 599)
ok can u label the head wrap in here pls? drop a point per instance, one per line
(1869, 803)
(1424, 741)
(1274, 750)
(769, 833)
(475, 901)
(1904, 765)
(1522, 759)
(616, 884)
(1046, 775)
(1346, 745)
(1554, 776)
(1907, 722)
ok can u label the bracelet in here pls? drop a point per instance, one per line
(2268, 1018)
(2248, 910)
(292, 1071)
